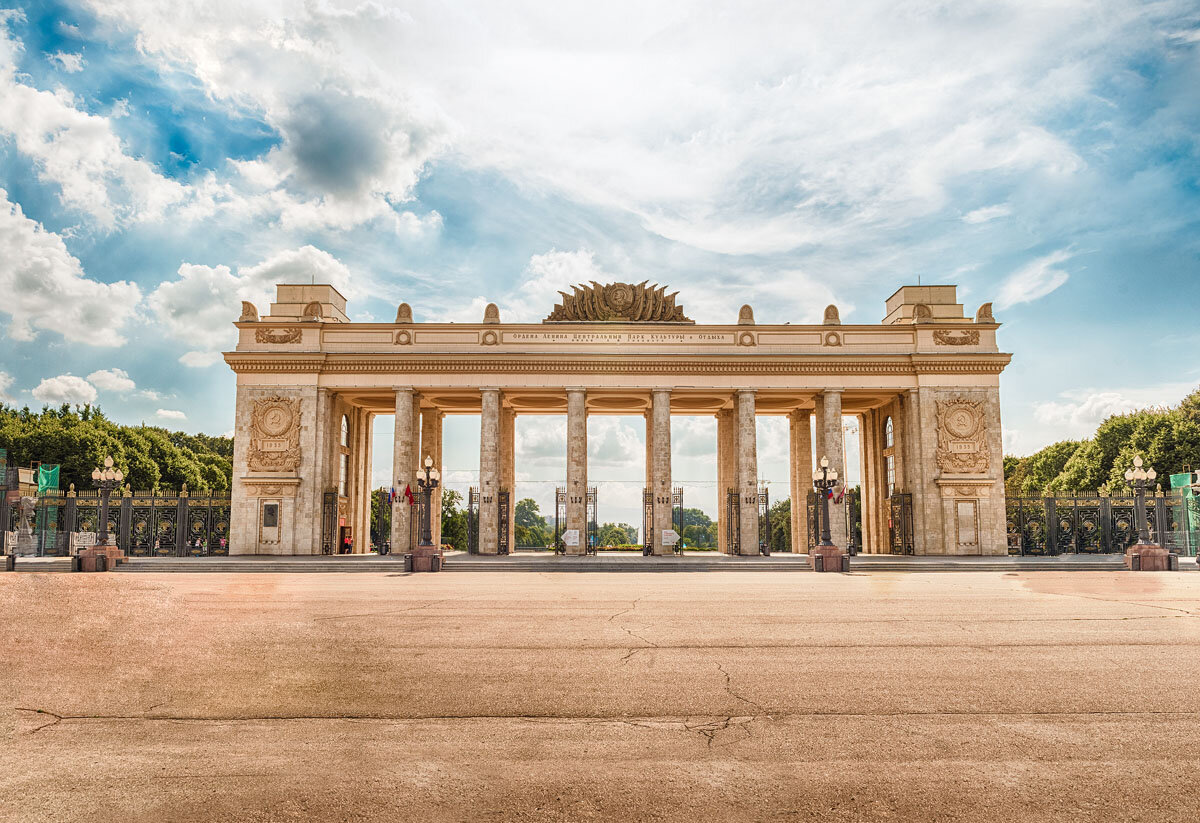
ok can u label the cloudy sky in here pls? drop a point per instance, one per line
(160, 162)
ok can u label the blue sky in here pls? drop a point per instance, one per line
(162, 162)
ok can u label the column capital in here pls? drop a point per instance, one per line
(832, 391)
(747, 391)
(660, 390)
(489, 388)
(576, 389)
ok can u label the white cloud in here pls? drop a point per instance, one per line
(733, 130)
(6, 381)
(45, 288)
(170, 414)
(114, 380)
(201, 304)
(1034, 280)
(66, 388)
(983, 215)
(70, 63)
(78, 151)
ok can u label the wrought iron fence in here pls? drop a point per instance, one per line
(143, 524)
(1096, 524)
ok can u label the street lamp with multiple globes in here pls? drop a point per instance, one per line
(427, 481)
(106, 479)
(1138, 478)
(824, 479)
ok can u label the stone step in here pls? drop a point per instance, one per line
(280, 565)
(43, 564)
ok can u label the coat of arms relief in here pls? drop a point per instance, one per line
(275, 434)
(962, 436)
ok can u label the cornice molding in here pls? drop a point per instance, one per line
(691, 364)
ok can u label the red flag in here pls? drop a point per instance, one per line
(409, 495)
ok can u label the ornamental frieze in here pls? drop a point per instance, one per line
(275, 434)
(946, 337)
(962, 436)
(618, 302)
(277, 336)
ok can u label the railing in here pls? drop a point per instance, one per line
(1099, 524)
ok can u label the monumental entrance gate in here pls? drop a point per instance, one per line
(923, 384)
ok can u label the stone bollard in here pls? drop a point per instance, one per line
(829, 559)
(427, 559)
(1148, 557)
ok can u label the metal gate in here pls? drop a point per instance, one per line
(502, 522)
(733, 519)
(677, 523)
(853, 508)
(593, 520)
(900, 524)
(329, 522)
(647, 520)
(144, 524)
(764, 521)
(473, 520)
(1094, 524)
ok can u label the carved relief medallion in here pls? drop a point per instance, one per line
(961, 436)
(946, 337)
(277, 335)
(275, 434)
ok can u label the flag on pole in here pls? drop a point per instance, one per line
(409, 495)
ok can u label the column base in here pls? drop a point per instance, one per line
(1149, 557)
(828, 559)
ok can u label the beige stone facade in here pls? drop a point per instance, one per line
(923, 386)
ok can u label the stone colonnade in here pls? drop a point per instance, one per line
(418, 432)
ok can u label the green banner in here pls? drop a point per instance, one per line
(47, 478)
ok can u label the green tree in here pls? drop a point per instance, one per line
(79, 438)
(616, 534)
(454, 520)
(781, 525)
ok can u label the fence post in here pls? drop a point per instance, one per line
(181, 522)
(1051, 525)
(1161, 520)
(1105, 523)
(125, 522)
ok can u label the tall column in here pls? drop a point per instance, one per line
(801, 473)
(577, 467)
(431, 446)
(660, 413)
(508, 447)
(362, 529)
(648, 527)
(402, 476)
(489, 469)
(723, 418)
(832, 447)
(747, 442)
(869, 489)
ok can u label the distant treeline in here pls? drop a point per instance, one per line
(1167, 439)
(78, 439)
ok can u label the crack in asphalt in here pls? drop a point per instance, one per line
(729, 690)
(381, 614)
(649, 644)
(645, 721)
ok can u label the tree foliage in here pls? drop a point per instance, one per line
(78, 439)
(1167, 439)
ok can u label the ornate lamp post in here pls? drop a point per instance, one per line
(824, 479)
(106, 479)
(427, 481)
(1149, 557)
(1138, 478)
